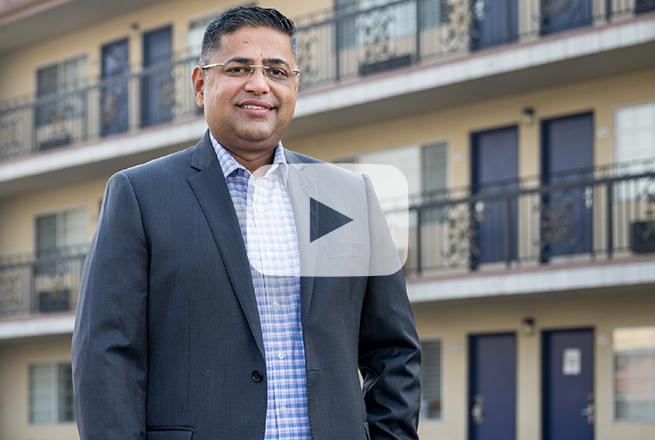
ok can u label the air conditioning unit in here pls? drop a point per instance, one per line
(642, 237)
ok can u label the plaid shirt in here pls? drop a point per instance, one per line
(267, 225)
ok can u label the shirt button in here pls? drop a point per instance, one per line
(276, 304)
(260, 210)
(280, 355)
(269, 254)
(256, 376)
(283, 409)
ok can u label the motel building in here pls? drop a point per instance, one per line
(526, 132)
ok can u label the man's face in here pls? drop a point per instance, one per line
(249, 115)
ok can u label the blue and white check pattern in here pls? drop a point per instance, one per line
(267, 224)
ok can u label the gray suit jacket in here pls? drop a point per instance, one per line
(168, 343)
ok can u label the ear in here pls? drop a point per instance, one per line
(198, 81)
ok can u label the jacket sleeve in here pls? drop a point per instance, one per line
(389, 349)
(109, 349)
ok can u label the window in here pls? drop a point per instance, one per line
(634, 374)
(196, 32)
(60, 77)
(431, 373)
(59, 89)
(634, 147)
(60, 245)
(425, 168)
(51, 393)
(61, 233)
(397, 20)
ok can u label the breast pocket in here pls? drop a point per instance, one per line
(345, 249)
(343, 259)
(173, 433)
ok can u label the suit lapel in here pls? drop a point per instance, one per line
(209, 187)
(302, 185)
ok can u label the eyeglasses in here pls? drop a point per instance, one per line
(277, 72)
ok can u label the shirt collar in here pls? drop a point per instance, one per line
(229, 164)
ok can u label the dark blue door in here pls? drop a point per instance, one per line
(561, 15)
(494, 23)
(113, 101)
(568, 384)
(157, 87)
(495, 170)
(567, 159)
(492, 387)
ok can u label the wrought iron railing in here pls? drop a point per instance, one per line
(47, 284)
(359, 37)
(602, 213)
(159, 94)
(599, 214)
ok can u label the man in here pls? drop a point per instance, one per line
(194, 321)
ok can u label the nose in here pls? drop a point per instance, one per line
(257, 81)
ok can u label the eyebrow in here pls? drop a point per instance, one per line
(266, 61)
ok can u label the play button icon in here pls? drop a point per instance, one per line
(350, 220)
(324, 219)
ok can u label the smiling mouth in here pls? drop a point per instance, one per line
(255, 107)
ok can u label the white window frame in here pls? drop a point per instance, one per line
(54, 393)
(424, 414)
(62, 244)
(625, 137)
(614, 378)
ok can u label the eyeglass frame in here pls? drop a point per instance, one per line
(252, 68)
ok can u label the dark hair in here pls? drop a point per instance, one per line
(243, 16)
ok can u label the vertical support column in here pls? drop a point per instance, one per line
(337, 49)
(419, 14)
(610, 220)
(419, 241)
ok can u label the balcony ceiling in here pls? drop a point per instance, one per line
(47, 20)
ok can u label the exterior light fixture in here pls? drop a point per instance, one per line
(528, 326)
(528, 116)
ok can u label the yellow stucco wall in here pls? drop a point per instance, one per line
(454, 321)
(17, 214)
(18, 69)
(451, 321)
(15, 358)
(455, 125)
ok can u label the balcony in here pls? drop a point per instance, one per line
(586, 216)
(370, 36)
(344, 46)
(160, 94)
(605, 215)
(40, 286)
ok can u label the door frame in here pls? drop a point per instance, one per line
(543, 370)
(510, 244)
(470, 371)
(545, 154)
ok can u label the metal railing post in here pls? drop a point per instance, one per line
(508, 231)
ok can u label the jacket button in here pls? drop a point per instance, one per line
(256, 376)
